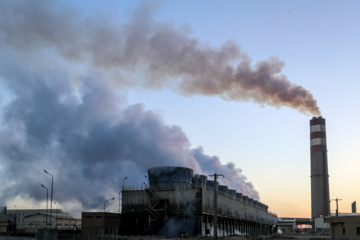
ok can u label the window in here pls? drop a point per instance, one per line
(358, 231)
(98, 216)
(343, 230)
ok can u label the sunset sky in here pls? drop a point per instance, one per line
(95, 91)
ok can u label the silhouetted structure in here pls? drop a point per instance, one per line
(174, 205)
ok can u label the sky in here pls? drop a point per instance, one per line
(96, 91)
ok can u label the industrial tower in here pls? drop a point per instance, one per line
(320, 196)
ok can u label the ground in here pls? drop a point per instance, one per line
(275, 236)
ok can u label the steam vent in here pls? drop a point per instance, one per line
(320, 196)
(178, 203)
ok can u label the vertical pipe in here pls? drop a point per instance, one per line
(51, 200)
(215, 206)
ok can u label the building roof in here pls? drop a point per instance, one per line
(57, 215)
(345, 214)
(349, 217)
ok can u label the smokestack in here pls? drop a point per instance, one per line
(320, 196)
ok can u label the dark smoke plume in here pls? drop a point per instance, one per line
(164, 54)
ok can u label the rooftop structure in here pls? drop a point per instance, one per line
(178, 203)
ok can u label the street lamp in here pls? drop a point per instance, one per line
(119, 201)
(215, 203)
(124, 182)
(52, 181)
(47, 198)
(121, 193)
(107, 201)
(17, 212)
(55, 216)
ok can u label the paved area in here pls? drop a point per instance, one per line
(15, 238)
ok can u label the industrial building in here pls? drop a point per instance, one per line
(7, 222)
(344, 226)
(62, 221)
(320, 196)
(100, 224)
(178, 203)
(30, 220)
(20, 215)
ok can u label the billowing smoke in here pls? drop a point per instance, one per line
(86, 134)
(89, 138)
(164, 54)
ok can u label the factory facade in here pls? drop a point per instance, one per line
(30, 220)
(100, 224)
(178, 203)
(344, 226)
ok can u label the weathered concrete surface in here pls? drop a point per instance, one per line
(198, 200)
(191, 210)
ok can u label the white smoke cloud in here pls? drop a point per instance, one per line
(89, 143)
(81, 130)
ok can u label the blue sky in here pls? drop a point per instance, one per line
(317, 41)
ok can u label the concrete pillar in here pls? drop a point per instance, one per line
(233, 227)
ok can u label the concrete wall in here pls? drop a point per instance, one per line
(34, 222)
(231, 207)
(196, 199)
(137, 199)
(100, 224)
(344, 227)
(20, 215)
(321, 226)
(191, 210)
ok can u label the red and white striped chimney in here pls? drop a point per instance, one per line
(320, 196)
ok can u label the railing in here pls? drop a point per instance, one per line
(135, 187)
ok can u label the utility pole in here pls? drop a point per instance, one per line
(337, 206)
(215, 202)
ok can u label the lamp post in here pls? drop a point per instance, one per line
(124, 182)
(52, 183)
(17, 212)
(215, 202)
(107, 201)
(121, 193)
(55, 216)
(47, 198)
(119, 201)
